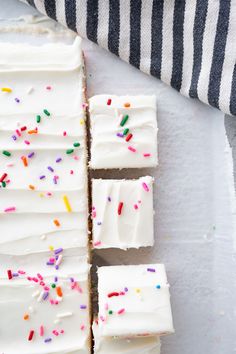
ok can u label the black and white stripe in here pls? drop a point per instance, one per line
(189, 44)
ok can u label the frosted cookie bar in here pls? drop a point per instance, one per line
(122, 213)
(43, 310)
(134, 301)
(115, 345)
(123, 131)
(44, 275)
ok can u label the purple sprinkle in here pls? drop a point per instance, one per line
(120, 135)
(50, 263)
(17, 100)
(54, 180)
(14, 137)
(99, 223)
(59, 159)
(45, 295)
(57, 267)
(50, 169)
(15, 274)
(42, 177)
(56, 279)
(83, 307)
(72, 280)
(47, 340)
(126, 289)
(109, 199)
(31, 155)
(151, 270)
(59, 250)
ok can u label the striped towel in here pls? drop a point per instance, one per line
(188, 44)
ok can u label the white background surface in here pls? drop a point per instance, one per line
(193, 220)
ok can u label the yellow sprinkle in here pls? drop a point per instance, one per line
(6, 89)
(81, 121)
(51, 248)
(41, 195)
(137, 290)
(67, 203)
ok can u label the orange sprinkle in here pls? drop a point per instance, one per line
(31, 187)
(25, 162)
(127, 105)
(56, 222)
(26, 317)
(59, 291)
(34, 131)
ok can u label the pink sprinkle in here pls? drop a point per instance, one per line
(48, 87)
(76, 158)
(40, 276)
(102, 318)
(62, 331)
(98, 243)
(84, 105)
(18, 132)
(145, 187)
(21, 272)
(55, 333)
(10, 165)
(10, 209)
(27, 142)
(121, 311)
(41, 331)
(71, 172)
(135, 206)
(94, 214)
(82, 327)
(132, 149)
(146, 155)
(51, 301)
(64, 133)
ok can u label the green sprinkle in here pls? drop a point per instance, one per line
(6, 153)
(124, 120)
(76, 144)
(69, 151)
(110, 312)
(4, 184)
(38, 119)
(125, 132)
(53, 286)
(46, 112)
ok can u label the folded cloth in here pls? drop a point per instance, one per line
(188, 44)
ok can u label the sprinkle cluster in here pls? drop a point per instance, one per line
(126, 135)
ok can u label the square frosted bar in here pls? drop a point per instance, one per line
(134, 301)
(122, 213)
(123, 132)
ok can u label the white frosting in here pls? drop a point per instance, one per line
(20, 297)
(139, 300)
(40, 215)
(114, 345)
(111, 151)
(134, 227)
